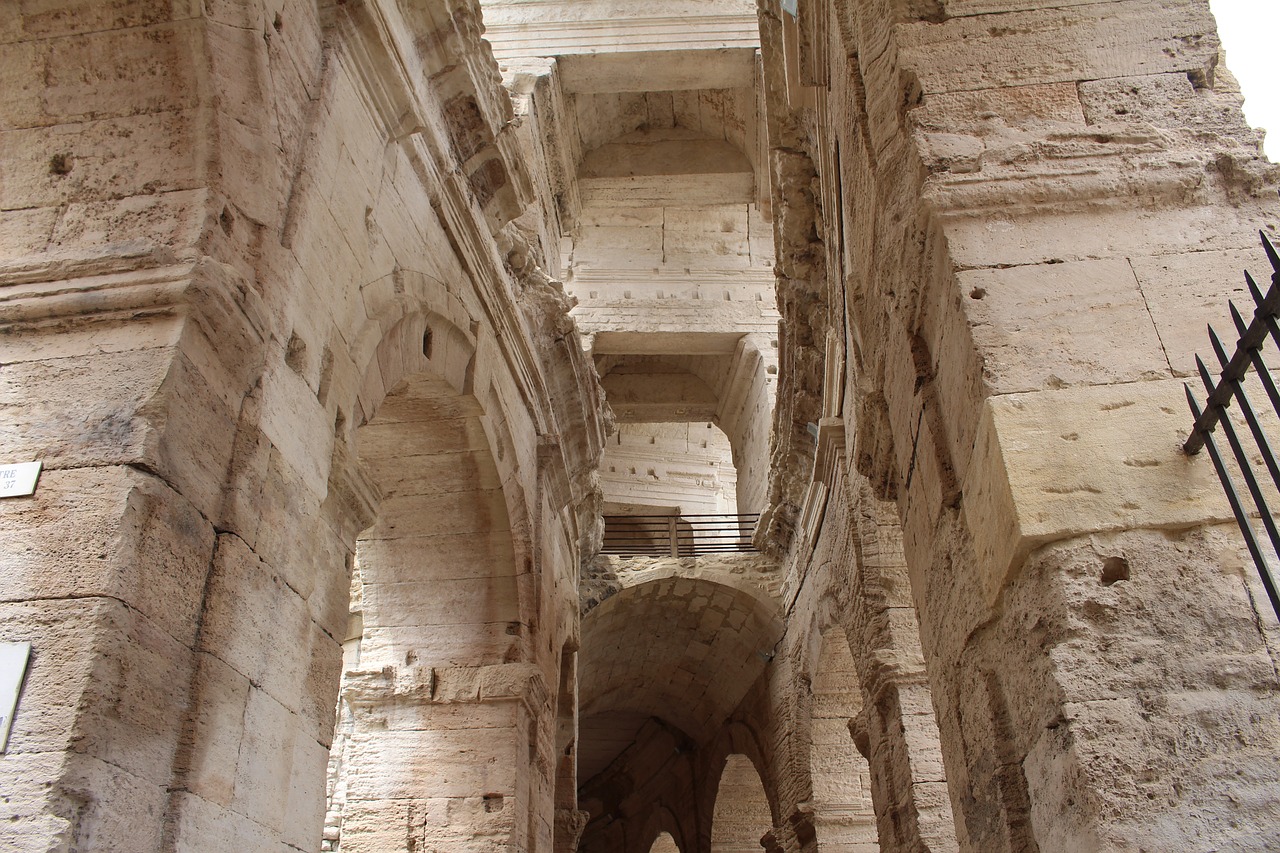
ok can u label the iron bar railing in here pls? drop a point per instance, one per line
(678, 535)
(1235, 368)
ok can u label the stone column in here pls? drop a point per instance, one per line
(438, 758)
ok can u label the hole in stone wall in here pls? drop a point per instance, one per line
(493, 802)
(1114, 569)
(60, 164)
(226, 220)
(278, 23)
(426, 343)
(295, 354)
(977, 293)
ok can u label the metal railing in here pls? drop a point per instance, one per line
(1231, 385)
(678, 535)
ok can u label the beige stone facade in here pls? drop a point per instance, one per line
(338, 326)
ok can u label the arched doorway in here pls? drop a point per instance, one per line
(437, 726)
(664, 843)
(843, 816)
(741, 813)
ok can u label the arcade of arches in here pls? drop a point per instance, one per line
(339, 326)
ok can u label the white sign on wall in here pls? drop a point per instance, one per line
(13, 669)
(18, 480)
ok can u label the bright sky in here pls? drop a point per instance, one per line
(1249, 30)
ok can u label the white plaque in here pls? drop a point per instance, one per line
(13, 668)
(18, 480)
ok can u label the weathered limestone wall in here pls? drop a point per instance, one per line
(230, 233)
(993, 277)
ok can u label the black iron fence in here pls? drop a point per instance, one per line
(678, 535)
(1235, 368)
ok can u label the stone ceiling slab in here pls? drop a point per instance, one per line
(658, 70)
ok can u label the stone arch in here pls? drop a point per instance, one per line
(742, 814)
(843, 815)
(664, 843)
(662, 824)
(443, 700)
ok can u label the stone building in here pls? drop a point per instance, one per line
(339, 325)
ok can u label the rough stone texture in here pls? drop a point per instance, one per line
(321, 316)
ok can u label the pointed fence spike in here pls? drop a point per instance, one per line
(1241, 325)
(1271, 252)
(1253, 288)
(1204, 375)
(1218, 349)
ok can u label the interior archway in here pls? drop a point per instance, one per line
(436, 603)
(741, 813)
(843, 816)
(664, 843)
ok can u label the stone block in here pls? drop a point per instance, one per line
(88, 411)
(432, 764)
(1055, 464)
(146, 69)
(1053, 325)
(264, 769)
(1185, 292)
(111, 158)
(111, 532)
(195, 821)
(466, 644)
(209, 766)
(1014, 106)
(297, 426)
(447, 555)
(1059, 236)
(103, 681)
(1090, 42)
(247, 605)
(458, 601)
(172, 219)
(430, 515)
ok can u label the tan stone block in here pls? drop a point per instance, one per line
(1186, 292)
(209, 768)
(430, 515)
(1089, 42)
(1061, 324)
(26, 807)
(465, 644)
(1167, 101)
(110, 532)
(63, 426)
(196, 821)
(265, 764)
(448, 555)
(194, 437)
(21, 83)
(1015, 106)
(58, 674)
(165, 219)
(1053, 237)
(302, 820)
(121, 810)
(431, 764)
(458, 601)
(25, 232)
(298, 426)
(1055, 464)
(122, 72)
(111, 158)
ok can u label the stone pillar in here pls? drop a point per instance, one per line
(1031, 213)
(438, 758)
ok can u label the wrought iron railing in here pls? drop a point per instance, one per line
(678, 535)
(1231, 385)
